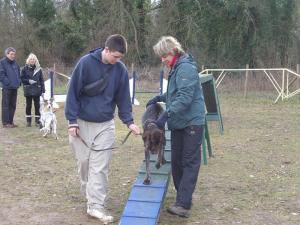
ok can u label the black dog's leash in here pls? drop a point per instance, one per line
(127, 136)
(148, 123)
(91, 147)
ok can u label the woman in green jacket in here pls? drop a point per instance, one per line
(185, 116)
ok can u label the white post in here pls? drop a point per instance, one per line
(246, 81)
(298, 80)
(132, 67)
(282, 91)
(203, 68)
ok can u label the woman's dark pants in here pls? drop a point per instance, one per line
(36, 100)
(185, 161)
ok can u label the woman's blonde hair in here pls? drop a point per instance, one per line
(33, 56)
(168, 45)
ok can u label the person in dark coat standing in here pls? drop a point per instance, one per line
(185, 116)
(33, 83)
(10, 82)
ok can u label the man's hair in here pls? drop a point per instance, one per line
(9, 49)
(167, 45)
(116, 42)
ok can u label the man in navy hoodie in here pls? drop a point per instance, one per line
(11, 81)
(90, 108)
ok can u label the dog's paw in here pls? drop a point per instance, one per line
(147, 181)
(163, 161)
(157, 165)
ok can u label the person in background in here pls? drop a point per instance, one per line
(33, 83)
(10, 80)
(98, 84)
(185, 116)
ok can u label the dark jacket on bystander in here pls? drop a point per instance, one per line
(30, 72)
(9, 74)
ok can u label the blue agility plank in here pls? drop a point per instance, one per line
(145, 201)
(138, 221)
(167, 156)
(168, 145)
(146, 193)
(142, 209)
(164, 169)
(157, 180)
(168, 135)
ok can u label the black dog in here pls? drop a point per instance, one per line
(153, 137)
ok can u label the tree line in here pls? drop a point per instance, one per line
(219, 33)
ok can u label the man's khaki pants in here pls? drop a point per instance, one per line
(93, 151)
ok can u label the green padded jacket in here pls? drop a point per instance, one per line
(184, 97)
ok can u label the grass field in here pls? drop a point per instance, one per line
(252, 179)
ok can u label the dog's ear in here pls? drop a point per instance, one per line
(156, 136)
(144, 135)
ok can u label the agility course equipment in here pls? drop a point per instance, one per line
(49, 84)
(49, 91)
(281, 79)
(206, 144)
(211, 100)
(210, 97)
(145, 201)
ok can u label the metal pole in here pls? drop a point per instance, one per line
(133, 88)
(51, 83)
(54, 76)
(161, 80)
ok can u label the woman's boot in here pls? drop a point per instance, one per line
(28, 121)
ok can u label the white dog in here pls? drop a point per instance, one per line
(48, 118)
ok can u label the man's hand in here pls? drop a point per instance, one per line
(73, 131)
(135, 129)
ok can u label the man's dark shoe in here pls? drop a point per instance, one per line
(178, 210)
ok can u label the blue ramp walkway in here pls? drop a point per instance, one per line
(145, 201)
